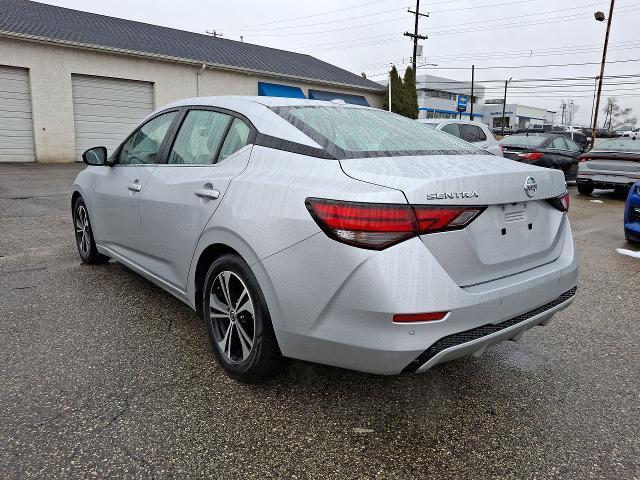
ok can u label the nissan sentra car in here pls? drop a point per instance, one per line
(327, 232)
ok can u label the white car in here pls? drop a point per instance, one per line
(632, 133)
(331, 233)
(477, 133)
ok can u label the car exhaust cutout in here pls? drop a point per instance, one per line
(377, 226)
(419, 317)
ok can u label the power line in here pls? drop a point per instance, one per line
(509, 67)
(305, 16)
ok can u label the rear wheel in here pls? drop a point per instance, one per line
(84, 235)
(238, 321)
(585, 189)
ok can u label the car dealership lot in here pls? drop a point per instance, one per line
(103, 374)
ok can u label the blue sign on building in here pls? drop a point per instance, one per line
(462, 103)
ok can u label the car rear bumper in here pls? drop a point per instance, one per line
(348, 322)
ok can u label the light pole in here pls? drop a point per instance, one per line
(504, 103)
(599, 16)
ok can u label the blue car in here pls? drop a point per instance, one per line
(632, 214)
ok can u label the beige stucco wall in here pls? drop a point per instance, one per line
(50, 69)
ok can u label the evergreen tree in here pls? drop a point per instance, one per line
(410, 94)
(397, 92)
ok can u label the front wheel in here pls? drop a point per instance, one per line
(238, 321)
(84, 235)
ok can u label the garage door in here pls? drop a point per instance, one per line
(106, 110)
(16, 122)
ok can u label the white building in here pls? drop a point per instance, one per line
(438, 98)
(515, 115)
(70, 80)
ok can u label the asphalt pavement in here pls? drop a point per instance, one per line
(104, 375)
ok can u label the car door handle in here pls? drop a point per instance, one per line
(207, 193)
(134, 187)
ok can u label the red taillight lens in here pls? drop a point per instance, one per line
(378, 225)
(533, 156)
(418, 317)
(562, 202)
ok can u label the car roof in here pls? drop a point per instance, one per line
(257, 110)
(451, 120)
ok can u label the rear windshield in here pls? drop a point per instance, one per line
(522, 141)
(618, 145)
(350, 132)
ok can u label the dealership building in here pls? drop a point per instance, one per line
(70, 80)
(438, 98)
(515, 115)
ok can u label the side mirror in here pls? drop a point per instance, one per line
(95, 156)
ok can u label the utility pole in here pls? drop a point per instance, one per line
(593, 103)
(473, 68)
(415, 34)
(604, 61)
(504, 104)
(563, 106)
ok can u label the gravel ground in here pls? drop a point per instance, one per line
(105, 375)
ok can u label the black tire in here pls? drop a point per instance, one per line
(84, 235)
(585, 189)
(231, 329)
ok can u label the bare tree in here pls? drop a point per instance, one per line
(568, 112)
(616, 116)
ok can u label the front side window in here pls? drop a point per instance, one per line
(144, 145)
(355, 132)
(452, 129)
(199, 138)
(236, 138)
(472, 133)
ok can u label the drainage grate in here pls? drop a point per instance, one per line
(479, 332)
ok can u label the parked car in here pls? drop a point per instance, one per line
(632, 214)
(621, 131)
(612, 163)
(331, 233)
(477, 133)
(544, 150)
(632, 133)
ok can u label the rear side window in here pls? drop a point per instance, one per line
(199, 138)
(236, 139)
(559, 144)
(472, 133)
(452, 129)
(354, 132)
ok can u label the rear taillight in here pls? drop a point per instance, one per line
(562, 202)
(379, 225)
(533, 156)
(582, 158)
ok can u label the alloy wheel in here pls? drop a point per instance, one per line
(83, 230)
(232, 316)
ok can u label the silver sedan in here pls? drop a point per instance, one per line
(331, 233)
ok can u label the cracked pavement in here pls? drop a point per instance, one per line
(104, 375)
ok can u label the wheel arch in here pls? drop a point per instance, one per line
(207, 256)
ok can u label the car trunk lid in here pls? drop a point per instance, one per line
(515, 233)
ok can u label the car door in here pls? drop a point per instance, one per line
(118, 188)
(563, 158)
(210, 148)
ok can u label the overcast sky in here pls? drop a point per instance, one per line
(366, 36)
